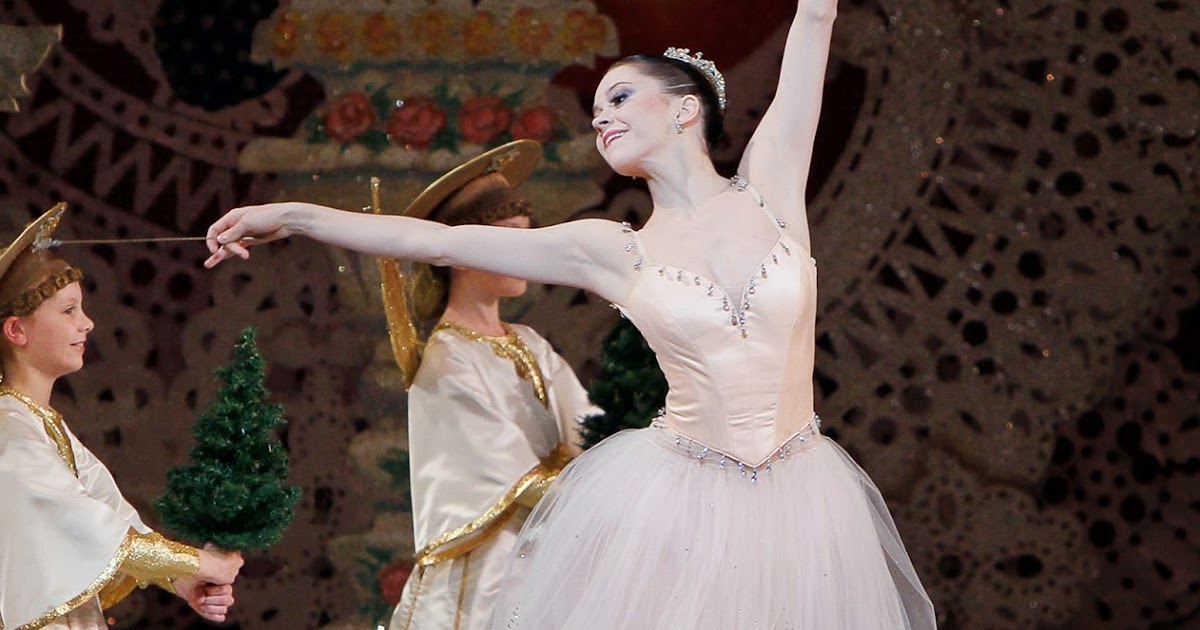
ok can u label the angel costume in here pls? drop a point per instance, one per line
(731, 511)
(492, 420)
(70, 544)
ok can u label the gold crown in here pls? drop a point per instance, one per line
(706, 67)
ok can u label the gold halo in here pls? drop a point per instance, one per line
(39, 230)
(515, 161)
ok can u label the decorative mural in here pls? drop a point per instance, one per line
(1004, 210)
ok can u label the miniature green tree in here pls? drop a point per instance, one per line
(234, 493)
(630, 387)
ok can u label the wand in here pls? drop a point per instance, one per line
(47, 243)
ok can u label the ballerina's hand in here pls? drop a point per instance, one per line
(226, 237)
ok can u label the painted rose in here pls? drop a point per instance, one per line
(349, 116)
(416, 122)
(334, 32)
(483, 118)
(381, 34)
(285, 34)
(481, 34)
(536, 123)
(527, 32)
(431, 28)
(391, 580)
(583, 32)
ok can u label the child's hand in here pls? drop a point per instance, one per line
(210, 601)
(217, 566)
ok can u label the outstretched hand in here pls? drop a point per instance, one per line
(229, 235)
(211, 601)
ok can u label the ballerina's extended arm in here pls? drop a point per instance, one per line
(777, 158)
(588, 253)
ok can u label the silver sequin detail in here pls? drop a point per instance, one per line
(699, 452)
(737, 316)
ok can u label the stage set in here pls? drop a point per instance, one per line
(1003, 205)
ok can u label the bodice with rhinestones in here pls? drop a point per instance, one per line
(739, 366)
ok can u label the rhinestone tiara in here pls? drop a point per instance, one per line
(706, 67)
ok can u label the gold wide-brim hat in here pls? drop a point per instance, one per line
(37, 232)
(30, 271)
(515, 161)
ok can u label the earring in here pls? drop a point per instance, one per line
(678, 126)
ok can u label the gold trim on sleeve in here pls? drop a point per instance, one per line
(154, 559)
(110, 573)
(117, 590)
(469, 537)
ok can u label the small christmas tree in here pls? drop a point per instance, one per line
(234, 493)
(630, 387)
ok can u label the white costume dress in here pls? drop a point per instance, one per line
(491, 421)
(732, 511)
(69, 542)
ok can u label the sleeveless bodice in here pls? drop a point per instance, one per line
(738, 365)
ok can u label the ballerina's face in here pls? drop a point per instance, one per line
(632, 117)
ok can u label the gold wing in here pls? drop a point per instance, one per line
(406, 344)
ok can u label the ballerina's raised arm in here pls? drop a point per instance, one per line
(777, 158)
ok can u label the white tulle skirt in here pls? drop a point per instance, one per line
(647, 532)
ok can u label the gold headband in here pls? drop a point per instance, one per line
(28, 301)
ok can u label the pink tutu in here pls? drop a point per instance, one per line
(650, 531)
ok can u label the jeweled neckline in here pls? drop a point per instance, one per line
(736, 308)
(742, 185)
(745, 284)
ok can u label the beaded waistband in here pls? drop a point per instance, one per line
(801, 441)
